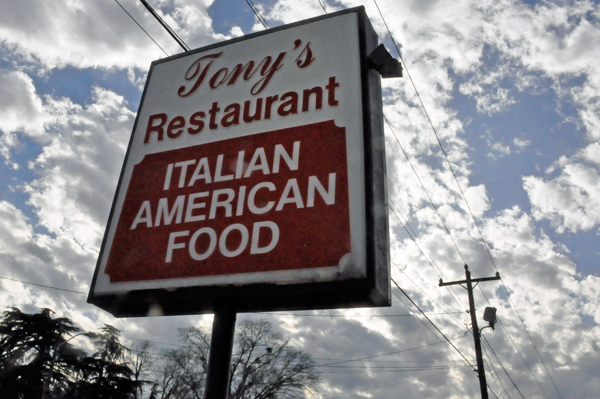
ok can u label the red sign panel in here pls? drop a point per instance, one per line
(266, 202)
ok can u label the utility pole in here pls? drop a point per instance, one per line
(476, 332)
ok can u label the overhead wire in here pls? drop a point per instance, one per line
(425, 190)
(503, 368)
(388, 385)
(354, 316)
(171, 32)
(464, 198)
(137, 23)
(433, 324)
(494, 373)
(415, 238)
(515, 345)
(388, 353)
(42, 285)
(420, 320)
(321, 2)
(442, 334)
(257, 13)
(427, 295)
(261, 19)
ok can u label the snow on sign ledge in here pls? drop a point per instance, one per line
(254, 163)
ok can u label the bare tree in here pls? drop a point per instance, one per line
(140, 362)
(264, 365)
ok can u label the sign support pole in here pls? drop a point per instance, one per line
(219, 359)
(476, 332)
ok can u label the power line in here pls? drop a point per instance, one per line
(432, 323)
(322, 3)
(493, 368)
(464, 197)
(532, 343)
(389, 385)
(443, 335)
(42, 285)
(513, 342)
(425, 190)
(359, 316)
(388, 353)
(148, 34)
(438, 271)
(258, 14)
(166, 26)
(501, 365)
(430, 298)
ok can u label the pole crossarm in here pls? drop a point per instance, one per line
(473, 280)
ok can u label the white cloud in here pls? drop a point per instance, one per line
(521, 144)
(83, 146)
(79, 167)
(571, 201)
(22, 111)
(99, 34)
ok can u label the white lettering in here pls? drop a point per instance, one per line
(254, 248)
(211, 247)
(252, 206)
(240, 205)
(292, 185)
(191, 205)
(215, 203)
(292, 162)
(163, 210)
(218, 176)
(328, 196)
(172, 245)
(143, 215)
(183, 165)
(239, 167)
(259, 155)
(168, 177)
(223, 240)
(202, 165)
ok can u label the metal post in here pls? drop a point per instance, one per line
(219, 359)
(476, 337)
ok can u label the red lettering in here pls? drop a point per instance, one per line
(232, 117)
(268, 104)
(213, 81)
(267, 72)
(155, 128)
(308, 58)
(331, 101)
(196, 120)
(213, 115)
(257, 111)
(237, 70)
(291, 104)
(176, 127)
(196, 71)
(306, 98)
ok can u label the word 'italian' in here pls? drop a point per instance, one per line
(258, 163)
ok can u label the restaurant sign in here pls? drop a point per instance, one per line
(254, 179)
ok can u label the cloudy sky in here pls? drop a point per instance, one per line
(512, 89)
